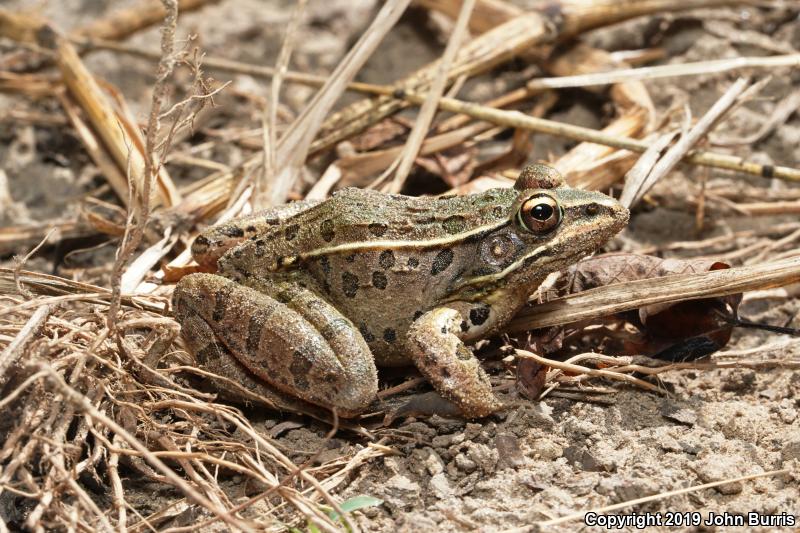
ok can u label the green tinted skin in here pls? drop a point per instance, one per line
(308, 298)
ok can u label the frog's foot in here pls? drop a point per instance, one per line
(306, 355)
(450, 366)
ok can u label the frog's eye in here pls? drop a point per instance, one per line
(539, 214)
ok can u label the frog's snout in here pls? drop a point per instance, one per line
(620, 215)
(604, 214)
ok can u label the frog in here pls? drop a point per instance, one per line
(303, 302)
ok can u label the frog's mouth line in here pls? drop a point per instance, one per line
(489, 279)
(537, 254)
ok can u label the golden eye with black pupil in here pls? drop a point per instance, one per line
(539, 214)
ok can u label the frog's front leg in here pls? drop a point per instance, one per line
(441, 356)
(291, 339)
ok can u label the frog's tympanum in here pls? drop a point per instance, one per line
(309, 297)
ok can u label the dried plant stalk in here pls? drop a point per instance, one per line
(562, 18)
(620, 297)
(121, 139)
(125, 22)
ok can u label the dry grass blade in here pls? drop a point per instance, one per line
(119, 137)
(515, 119)
(293, 146)
(500, 44)
(785, 108)
(634, 190)
(269, 118)
(586, 371)
(15, 348)
(429, 107)
(47, 285)
(665, 71)
(125, 22)
(619, 297)
(139, 209)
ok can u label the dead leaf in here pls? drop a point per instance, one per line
(674, 331)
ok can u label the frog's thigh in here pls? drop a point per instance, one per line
(448, 364)
(278, 345)
(216, 358)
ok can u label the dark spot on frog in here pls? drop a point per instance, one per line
(464, 325)
(202, 240)
(254, 328)
(484, 199)
(379, 280)
(444, 330)
(454, 224)
(350, 258)
(232, 231)
(445, 373)
(368, 336)
(349, 284)
(326, 230)
(291, 231)
(325, 265)
(221, 300)
(389, 335)
(237, 253)
(299, 368)
(250, 229)
(377, 229)
(386, 259)
(479, 315)
(442, 261)
(413, 262)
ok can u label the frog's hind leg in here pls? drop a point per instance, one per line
(308, 355)
(236, 381)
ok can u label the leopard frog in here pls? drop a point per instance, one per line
(308, 298)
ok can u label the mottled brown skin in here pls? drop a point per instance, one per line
(307, 303)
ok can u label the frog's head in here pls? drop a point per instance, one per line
(550, 227)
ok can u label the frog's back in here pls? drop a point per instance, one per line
(364, 216)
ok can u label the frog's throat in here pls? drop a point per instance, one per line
(467, 236)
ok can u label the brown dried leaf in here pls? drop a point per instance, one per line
(680, 330)
(455, 166)
(531, 377)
